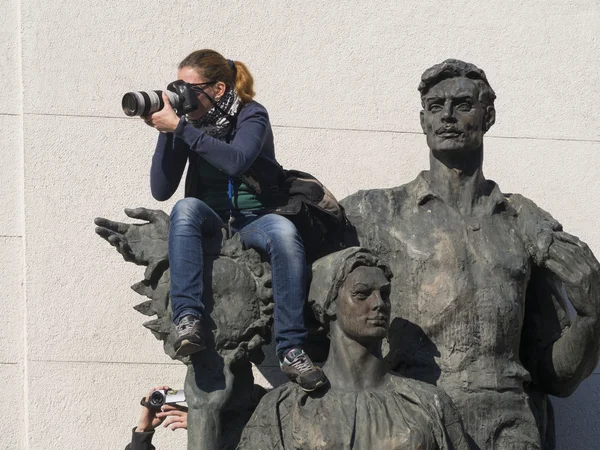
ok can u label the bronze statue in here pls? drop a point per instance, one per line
(479, 301)
(484, 276)
(219, 385)
(365, 406)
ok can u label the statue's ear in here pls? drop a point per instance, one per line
(490, 118)
(422, 118)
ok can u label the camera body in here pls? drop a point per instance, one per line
(181, 96)
(158, 398)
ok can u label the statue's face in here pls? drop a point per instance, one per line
(453, 118)
(363, 306)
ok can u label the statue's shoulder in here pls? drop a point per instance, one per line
(416, 389)
(267, 424)
(528, 211)
(535, 225)
(273, 399)
(379, 202)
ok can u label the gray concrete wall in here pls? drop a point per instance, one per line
(339, 80)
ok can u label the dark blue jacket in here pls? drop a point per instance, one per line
(250, 153)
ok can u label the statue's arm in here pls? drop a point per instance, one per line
(572, 268)
(560, 351)
(452, 424)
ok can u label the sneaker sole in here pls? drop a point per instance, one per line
(319, 384)
(187, 348)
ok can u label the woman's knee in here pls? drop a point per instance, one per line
(190, 209)
(283, 233)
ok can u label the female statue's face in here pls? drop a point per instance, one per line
(363, 305)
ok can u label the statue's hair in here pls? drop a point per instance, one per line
(452, 68)
(329, 275)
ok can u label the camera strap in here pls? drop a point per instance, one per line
(230, 191)
(214, 103)
(230, 185)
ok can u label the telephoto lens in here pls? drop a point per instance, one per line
(142, 103)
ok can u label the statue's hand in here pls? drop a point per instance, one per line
(143, 244)
(575, 265)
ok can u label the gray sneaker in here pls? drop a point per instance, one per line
(298, 367)
(190, 337)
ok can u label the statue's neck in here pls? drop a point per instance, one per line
(354, 366)
(457, 177)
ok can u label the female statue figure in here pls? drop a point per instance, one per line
(365, 406)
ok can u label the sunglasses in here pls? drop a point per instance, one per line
(198, 87)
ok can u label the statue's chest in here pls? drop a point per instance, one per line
(448, 264)
(347, 421)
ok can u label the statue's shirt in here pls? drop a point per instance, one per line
(406, 414)
(460, 283)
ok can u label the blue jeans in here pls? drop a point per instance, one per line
(269, 234)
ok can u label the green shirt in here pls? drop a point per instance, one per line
(214, 192)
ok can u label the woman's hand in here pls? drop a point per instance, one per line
(164, 120)
(148, 420)
(175, 415)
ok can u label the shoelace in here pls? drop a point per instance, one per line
(301, 363)
(184, 326)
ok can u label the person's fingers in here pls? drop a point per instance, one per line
(118, 227)
(175, 407)
(161, 388)
(175, 422)
(178, 425)
(171, 413)
(148, 120)
(167, 102)
(141, 213)
(168, 407)
(168, 421)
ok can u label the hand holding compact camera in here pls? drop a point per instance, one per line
(160, 397)
(160, 405)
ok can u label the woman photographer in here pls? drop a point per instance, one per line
(232, 176)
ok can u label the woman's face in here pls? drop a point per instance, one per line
(363, 305)
(216, 90)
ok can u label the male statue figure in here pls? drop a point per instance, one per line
(483, 277)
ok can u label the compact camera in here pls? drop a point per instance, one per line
(181, 95)
(158, 398)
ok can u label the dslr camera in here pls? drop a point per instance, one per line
(158, 398)
(181, 95)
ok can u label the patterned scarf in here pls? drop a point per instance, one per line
(214, 122)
